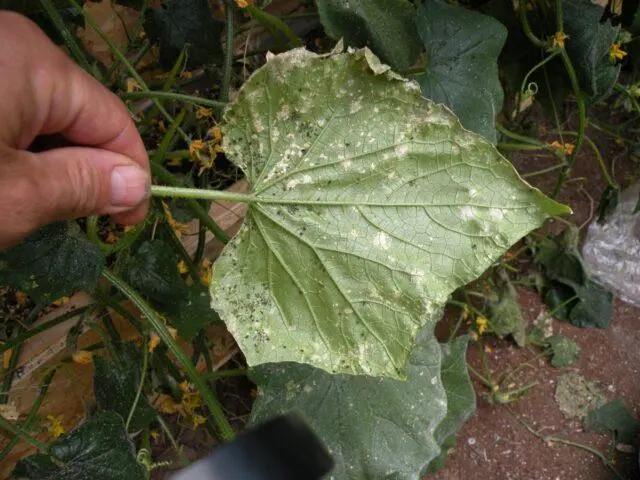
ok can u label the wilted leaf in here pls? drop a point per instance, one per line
(99, 449)
(576, 396)
(52, 263)
(588, 47)
(564, 352)
(462, 63)
(595, 307)
(185, 23)
(115, 385)
(461, 398)
(374, 427)
(613, 417)
(505, 314)
(608, 203)
(560, 258)
(372, 205)
(387, 27)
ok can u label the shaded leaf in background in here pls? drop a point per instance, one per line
(613, 417)
(99, 449)
(560, 258)
(608, 203)
(115, 385)
(462, 63)
(387, 27)
(595, 307)
(52, 263)
(564, 352)
(181, 23)
(372, 204)
(588, 47)
(375, 427)
(461, 398)
(153, 270)
(34, 10)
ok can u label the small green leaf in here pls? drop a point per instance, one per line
(374, 427)
(461, 398)
(98, 450)
(588, 47)
(564, 352)
(115, 385)
(614, 417)
(595, 307)
(52, 263)
(462, 63)
(387, 27)
(371, 206)
(185, 23)
(560, 258)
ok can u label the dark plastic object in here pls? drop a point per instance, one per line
(284, 448)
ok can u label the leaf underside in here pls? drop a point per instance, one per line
(376, 427)
(372, 206)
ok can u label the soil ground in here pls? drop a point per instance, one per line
(496, 443)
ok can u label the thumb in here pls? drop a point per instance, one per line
(67, 183)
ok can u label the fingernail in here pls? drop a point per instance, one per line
(129, 186)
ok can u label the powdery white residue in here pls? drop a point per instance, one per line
(467, 213)
(382, 240)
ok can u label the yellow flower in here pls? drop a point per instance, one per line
(558, 39)
(481, 324)
(244, 3)
(177, 227)
(61, 301)
(474, 336)
(111, 238)
(566, 148)
(154, 435)
(166, 404)
(6, 358)
(488, 349)
(21, 298)
(205, 271)
(197, 420)
(195, 147)
(82, 357)
(616, 53)
(182, 267)
(154, 341)
(202, 112)
(215, 133)
(133, 85)
(54, 426)
(186, 75)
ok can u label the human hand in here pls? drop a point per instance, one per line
(43, 92)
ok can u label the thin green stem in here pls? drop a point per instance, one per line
(586, 448)
(32, 416)
(132, 71)
(173, 96)
(69, 39)
(226, 432)
(520, 147)
(227, 67)
(596, 151)
(517, 136)
(194, 206)
(528, 32)
(19, 432)
(143, 376)
(486, 382)
(43, 327)
(165, 144)
(273, 24)
(544, 170)
(582, 122)
(540, 64)
(559, 17)
(172, 439)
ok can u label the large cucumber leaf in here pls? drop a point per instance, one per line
(462, 63)
(373, 427)
(386, 26)
(371, 206)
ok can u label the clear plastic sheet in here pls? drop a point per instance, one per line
(611, 251)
